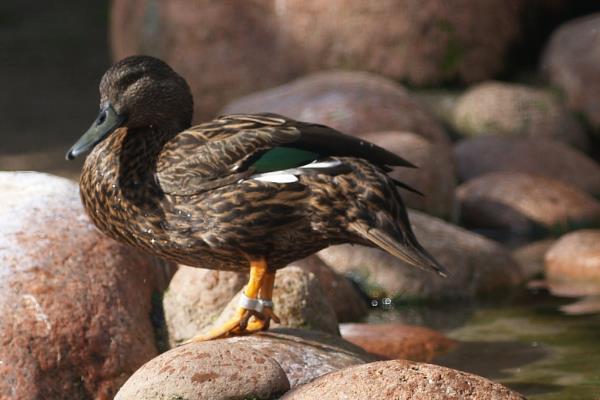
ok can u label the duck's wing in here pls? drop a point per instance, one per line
(258, 146)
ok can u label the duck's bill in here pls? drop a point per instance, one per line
(106, 122)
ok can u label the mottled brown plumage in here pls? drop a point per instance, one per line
(218, 195)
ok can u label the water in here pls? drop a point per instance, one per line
(526, 343)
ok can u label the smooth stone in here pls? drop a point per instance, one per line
(423, 43)
(525, 205)
(351, 102)
(435, 175)
(508, 109)
(545, 157)
(476, 265)
(342, 294)
(401, 379)
(195, 299)
(398, 341)
(77, 307)
(531, 257)
(573, 264)
(570, 65)
(214, 370)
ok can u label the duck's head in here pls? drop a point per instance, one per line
(138, 92)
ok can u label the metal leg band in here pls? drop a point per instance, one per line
(257, 305)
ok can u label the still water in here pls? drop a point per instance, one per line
(525, 342)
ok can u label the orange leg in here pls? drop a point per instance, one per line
(255, 309)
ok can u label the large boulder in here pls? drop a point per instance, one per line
(545, 157)
(257, 366)
(572, 264)
(398, 341)
(352, 102)
(496, 108)
(401, 379)
(224, 49)
(525, 205)
(570, 65)
(435, 176)
(209, 370)
(229, 48)
(475, 265)
(425, 42)
(76, 306)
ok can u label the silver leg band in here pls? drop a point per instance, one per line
(257, 305)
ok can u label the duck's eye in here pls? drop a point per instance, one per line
(101, 118)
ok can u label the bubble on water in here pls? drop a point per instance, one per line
(374, 303)
(387, 301)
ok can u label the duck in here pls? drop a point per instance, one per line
(243, 192)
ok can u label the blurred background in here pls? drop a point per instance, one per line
(497, 101)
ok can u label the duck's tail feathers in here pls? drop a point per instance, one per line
(407, 250)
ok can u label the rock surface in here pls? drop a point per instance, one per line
(401, 379)
(525, 205)
(531, 257)
(495, 108)
(570, 65)
(398, 341)
(573, 264)
(209, 370)
(435, 176)
(545, 157)
(257, 366)
(352, 102)
(341, 293)
(195, 299)
(76, 306)
(423, 42)
(475, 265)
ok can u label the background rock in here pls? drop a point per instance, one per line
(422, 42)
(496, 108)
(196, 297)
(475, 265)
(401, 379)
(573, 264)
(248, 46)
(398, 341)
(209, 370)
(341, 293)
(352, 102)
(525, 205)
(545, 157)
(531, 257)
(570, 65)
(76, 306)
